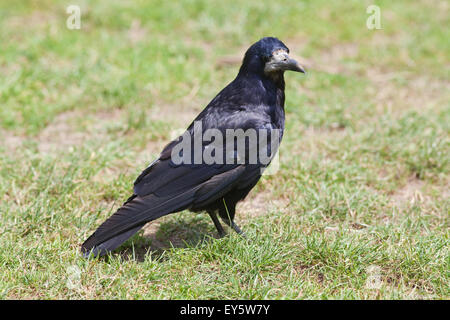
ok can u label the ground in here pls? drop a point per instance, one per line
(359, 205)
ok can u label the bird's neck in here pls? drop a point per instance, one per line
(277, 114)
(277, 78)
(276, 81)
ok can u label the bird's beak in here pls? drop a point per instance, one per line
(281, 61)
(293, 65)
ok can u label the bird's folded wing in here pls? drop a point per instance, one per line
(141, 209)
(165, 188)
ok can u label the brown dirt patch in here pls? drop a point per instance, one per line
(259, 203)
(409, 193)
(10, 141)
(137, 32)
(60, 134)
(420, 93)
(330, 60)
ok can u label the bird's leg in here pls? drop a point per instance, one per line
(228, 216)
(219, 227)
(235, 227)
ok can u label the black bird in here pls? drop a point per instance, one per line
(253, 100)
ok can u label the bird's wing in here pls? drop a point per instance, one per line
(165, 188)
(164, 178)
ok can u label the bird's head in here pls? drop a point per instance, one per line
(270, 56)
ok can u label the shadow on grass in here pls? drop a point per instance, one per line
(158, 237)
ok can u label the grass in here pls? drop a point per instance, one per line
(358, 209)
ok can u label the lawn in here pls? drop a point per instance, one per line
(358, 207)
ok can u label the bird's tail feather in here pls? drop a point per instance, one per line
(131, 217)
(107, 246)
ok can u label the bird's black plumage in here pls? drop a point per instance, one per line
(253, 100)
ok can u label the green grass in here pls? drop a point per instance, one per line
(359, 208)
